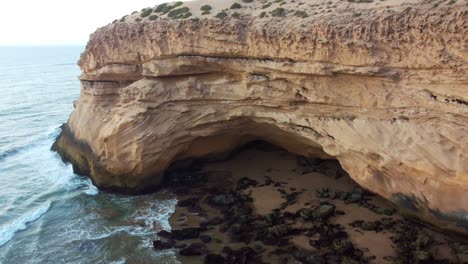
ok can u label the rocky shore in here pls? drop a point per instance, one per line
(265, 205)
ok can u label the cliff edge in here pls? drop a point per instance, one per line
(381, 86)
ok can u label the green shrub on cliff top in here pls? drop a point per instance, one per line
(146, 12)
(165, 8)
(278, 12)
(206, 8)
(301, 14)
(267, 5)
(177, 4)
(160, 8)
(179, 13)
(153, 17)
(222, 15)
(236, 6)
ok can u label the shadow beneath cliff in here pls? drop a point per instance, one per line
(262, 203)
(192, 165)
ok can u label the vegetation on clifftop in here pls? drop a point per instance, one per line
(278, 9)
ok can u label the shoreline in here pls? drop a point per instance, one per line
(265, 205)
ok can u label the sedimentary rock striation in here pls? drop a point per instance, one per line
(384, 92)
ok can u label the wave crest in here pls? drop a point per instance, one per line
(8, 231)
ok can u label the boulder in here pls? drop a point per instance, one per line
(194, 249)
(161, 245)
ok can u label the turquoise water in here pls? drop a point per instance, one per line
(47, 213)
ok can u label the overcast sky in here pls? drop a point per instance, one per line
(59, 22)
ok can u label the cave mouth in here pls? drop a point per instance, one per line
(260, 161)
(281, 205)
(228, 139)
(318, 161)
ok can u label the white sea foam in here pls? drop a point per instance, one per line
(8, 231)
(90, 188)
(154, 212)
(120, 261)
(159, 211)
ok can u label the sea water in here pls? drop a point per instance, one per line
(47, 213)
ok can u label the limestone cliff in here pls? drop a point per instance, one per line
(381, 87)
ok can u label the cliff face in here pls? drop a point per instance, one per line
(385, 93)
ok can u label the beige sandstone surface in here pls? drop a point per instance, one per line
(382, 88)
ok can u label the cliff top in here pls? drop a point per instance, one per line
(385, 33)
(301, 9)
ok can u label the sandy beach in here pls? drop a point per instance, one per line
(270, 206)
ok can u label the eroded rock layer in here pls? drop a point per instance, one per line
(386, 94)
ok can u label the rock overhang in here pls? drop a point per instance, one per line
(390, 107)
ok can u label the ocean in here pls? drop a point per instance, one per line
(47, 213)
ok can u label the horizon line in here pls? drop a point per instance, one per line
(43, 45)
